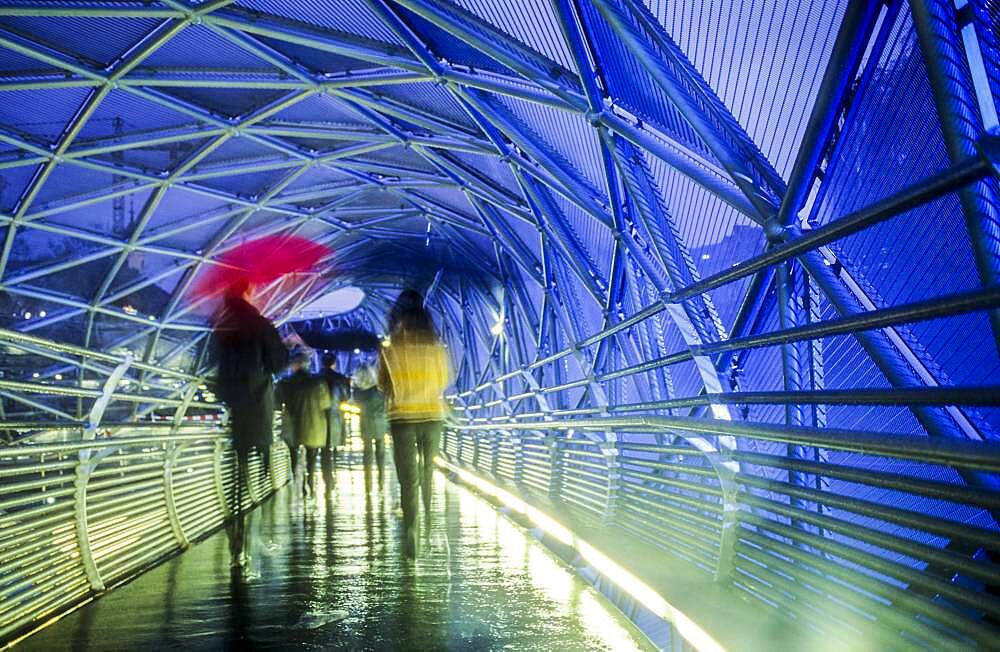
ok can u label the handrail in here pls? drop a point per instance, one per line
(77, 392)
(953, 452)
(178, 394)
(76, 517)
(16, 337)
(666, 498)
(918, 311)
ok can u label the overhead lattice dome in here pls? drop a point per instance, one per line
(766, 231)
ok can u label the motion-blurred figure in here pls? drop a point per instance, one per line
(413, 373)
(339, 387)
(374, 424)
(248, 351)
(306, 402)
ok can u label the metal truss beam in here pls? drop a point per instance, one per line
(962, 127)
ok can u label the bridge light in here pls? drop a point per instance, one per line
(497, 328)
(641, 592)
(27, 315)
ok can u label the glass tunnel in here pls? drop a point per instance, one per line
(718, 281)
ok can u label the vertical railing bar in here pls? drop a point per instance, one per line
(169, 462)
(83, 469)
(220, 488)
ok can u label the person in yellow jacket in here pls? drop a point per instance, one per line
(306, 402)
(413, 373)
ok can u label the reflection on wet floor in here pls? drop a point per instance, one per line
(328, 574)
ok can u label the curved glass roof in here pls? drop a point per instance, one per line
(788, 201)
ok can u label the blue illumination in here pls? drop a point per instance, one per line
(545, 171)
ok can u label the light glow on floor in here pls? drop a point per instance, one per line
(641, 592)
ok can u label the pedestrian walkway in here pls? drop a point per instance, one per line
(328, 574)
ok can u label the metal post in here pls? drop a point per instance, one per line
(173, 450)
(273, 462)
(220, 489)
(495, 448)
(516, 443)
(555, 464)
(962, 127)
(458, 446)
(251, 488)
(727, 536)
(609, 449)
(101, 404)
(83, 470)
(476, 443)
(791, 353)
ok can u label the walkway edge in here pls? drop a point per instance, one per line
(692, 632)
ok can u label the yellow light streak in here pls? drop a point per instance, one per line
(641, 592)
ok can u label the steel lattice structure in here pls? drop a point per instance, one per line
(710, 272)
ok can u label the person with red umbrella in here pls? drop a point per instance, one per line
(249, 352)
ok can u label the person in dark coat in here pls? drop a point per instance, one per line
(248, 352)
(306, 402)
(339, 387)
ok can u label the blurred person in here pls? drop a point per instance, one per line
(306, 403)
(374, 424)
(248, 352)
(339, 387)
(413, 373)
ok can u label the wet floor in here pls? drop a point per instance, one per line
(328, 574)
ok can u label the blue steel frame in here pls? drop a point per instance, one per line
(588, 302)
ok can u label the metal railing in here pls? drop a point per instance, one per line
(77, 389)
(879, 566)
(857, 534)
(77, 517)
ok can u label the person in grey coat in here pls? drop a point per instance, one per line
(339, 387)
(306, 403)
(374, 423)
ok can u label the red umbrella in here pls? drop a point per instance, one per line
(258, 262)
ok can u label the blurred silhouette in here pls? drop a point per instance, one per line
(306, 402)
(248, 352)
(413, 373)
(339, 387)
(374, 424)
